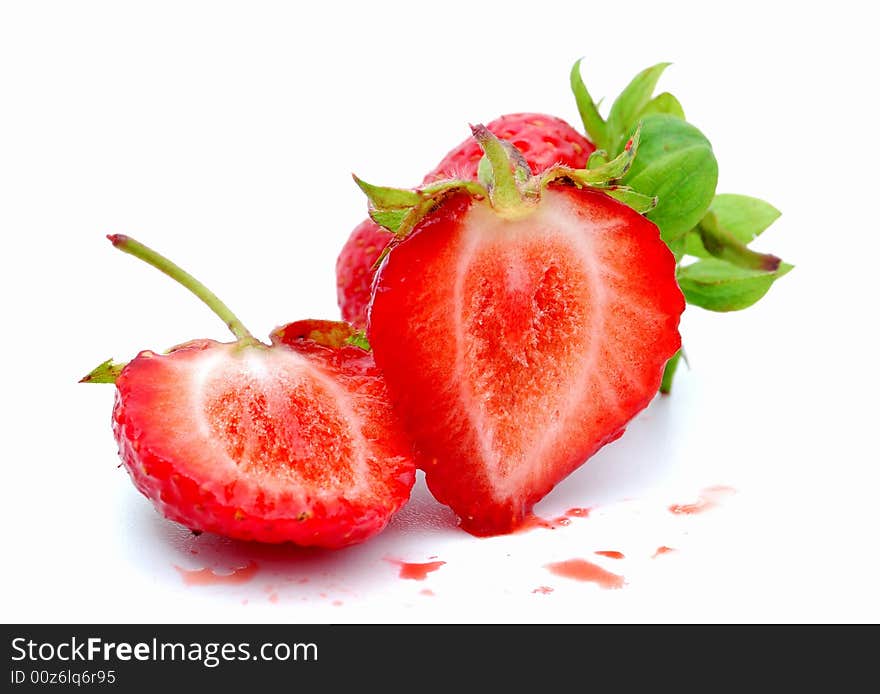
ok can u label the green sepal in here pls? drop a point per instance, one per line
(664, 103)
(105, 372)
(639, 202)
(717, 285)
(593, 123)
(382, 197)
(630, 105)
(598, 158)
(400, 209)
(604, 174)
(389, 219)
(359, 339)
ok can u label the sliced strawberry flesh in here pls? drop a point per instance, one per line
(283, 427)
(264, 443)
(516, 349)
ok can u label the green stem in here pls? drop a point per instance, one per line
(160, 262)
(504, 192)
(669, 373)
(722, 244)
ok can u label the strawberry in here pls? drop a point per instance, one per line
(520, 324)
(544, 141)
(289, 442)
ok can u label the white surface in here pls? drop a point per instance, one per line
(223, 134)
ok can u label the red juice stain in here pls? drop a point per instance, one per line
(578, 512)
(336, 603)
(207, 577)
(531, 522)
(273, 597)
(582, 570)
(663, 549)
(414, 571)
(708, 499)
(543, 590)
(611, 554)
(427, 591)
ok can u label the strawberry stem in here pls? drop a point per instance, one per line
(128, 245)
(504, 192)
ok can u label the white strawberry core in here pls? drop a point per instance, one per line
(276, 418)
(534, 297)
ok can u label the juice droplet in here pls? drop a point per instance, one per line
(578, 512)
(663, 549)
(207, 577)
(426, 591)
(708, 499)
(582, 570)
(611, 554)
(416, 572)
(532, 522)
(543, 590)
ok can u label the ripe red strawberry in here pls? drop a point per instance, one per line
(520, 328)
(544, 141)
(293, 442)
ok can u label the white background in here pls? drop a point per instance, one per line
(223, 134)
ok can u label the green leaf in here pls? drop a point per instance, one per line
(593, 122)
(675, 163)
(628, 107)
(105, 372)
(664, 103)
(359, 339)
(741, 216)
(716, 285)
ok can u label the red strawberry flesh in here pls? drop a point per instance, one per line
(264, 443)
(515, 349)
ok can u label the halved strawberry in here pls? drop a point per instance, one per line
(293, 442)
(544, 141)
(520, 328)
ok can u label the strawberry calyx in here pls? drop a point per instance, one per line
(506, 180)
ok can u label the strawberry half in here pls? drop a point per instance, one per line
(520, 326)
(293, 442)
(544, 141)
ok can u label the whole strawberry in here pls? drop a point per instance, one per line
(289, 442)
(543, 140)
(521, 323)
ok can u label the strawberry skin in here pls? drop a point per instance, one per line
(290, 443)
(544, 141)
(354, 270)
(515, 348)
